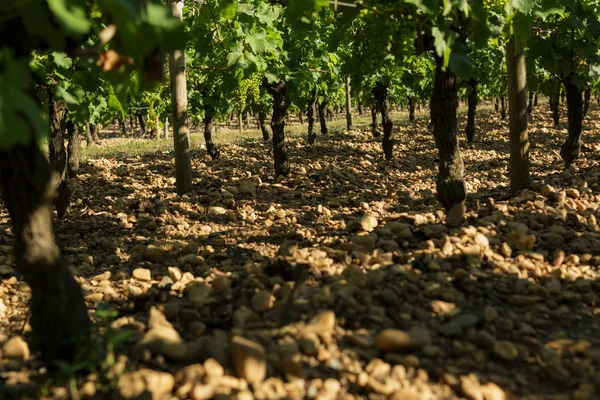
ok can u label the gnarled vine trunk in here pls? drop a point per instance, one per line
(141, 121)
(348, 105)
(59, 318)
(472, 110)
(555, 107)
(322, 108)
(380, 92)
(209, 130)
(518, 134)
(503, 107)
(57, 153)
(411, 108)
(280, 109)
(73, 149)
(311, 111)
(179, 111)
(450, 184)
(571, 149)
(262, 117)
(587, 96)
(374, 124)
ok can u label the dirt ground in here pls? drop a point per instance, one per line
(339, 282)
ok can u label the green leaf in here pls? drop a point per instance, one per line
(20, 116)
(62, 60)
(462, 65)
(71, 16)
(524, 6)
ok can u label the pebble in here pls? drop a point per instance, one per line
(249, 360)
(16, 348)
(155, 254)
(366, 223)
(398, 340)
(142, 274)
(248, 187)
(262, 301)
(506, 350)
(146, 382)
(470, 387)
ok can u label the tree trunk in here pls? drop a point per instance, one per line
(142, 122)
(58, 153)
(360, 109)
(322, 107)
(535, 100)
(444, 104)
(312, 110)
(503, 108)
(496, 104)
(380, 92)
(348, 105)
(280, 109)
(183, 167)
(122, 126)
(517, 100)
(411, 108)
(240, 123)
(571, 149)
(94, 133)
(73, 149)
(530, 103)
(262, 117)
(209, 130)
(472, 103)
(374, 125)
(59, 319)
(89, 140)
(587, 96)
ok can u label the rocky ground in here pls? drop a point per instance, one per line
(339, 282)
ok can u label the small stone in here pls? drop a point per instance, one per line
(213, 368)
(398, 340)
(146, 381)
(249, 360)
(490, 314)
(458, 324)
(404, 394)
(572, 193)
(470, 387)
(175, 273)
(142, 274)
(155, 254)
(94, 297)
(190, 248)
(491, 391)
(553, 285)
(202, 392)
(322, 324)
(248, 187)
(16, 348)
(506, 350)
(309, 343)
(165, 283)
(221, 283)
(366, 223)
(262, 301)
(163, 339)
(217, 211)
(6, 270)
